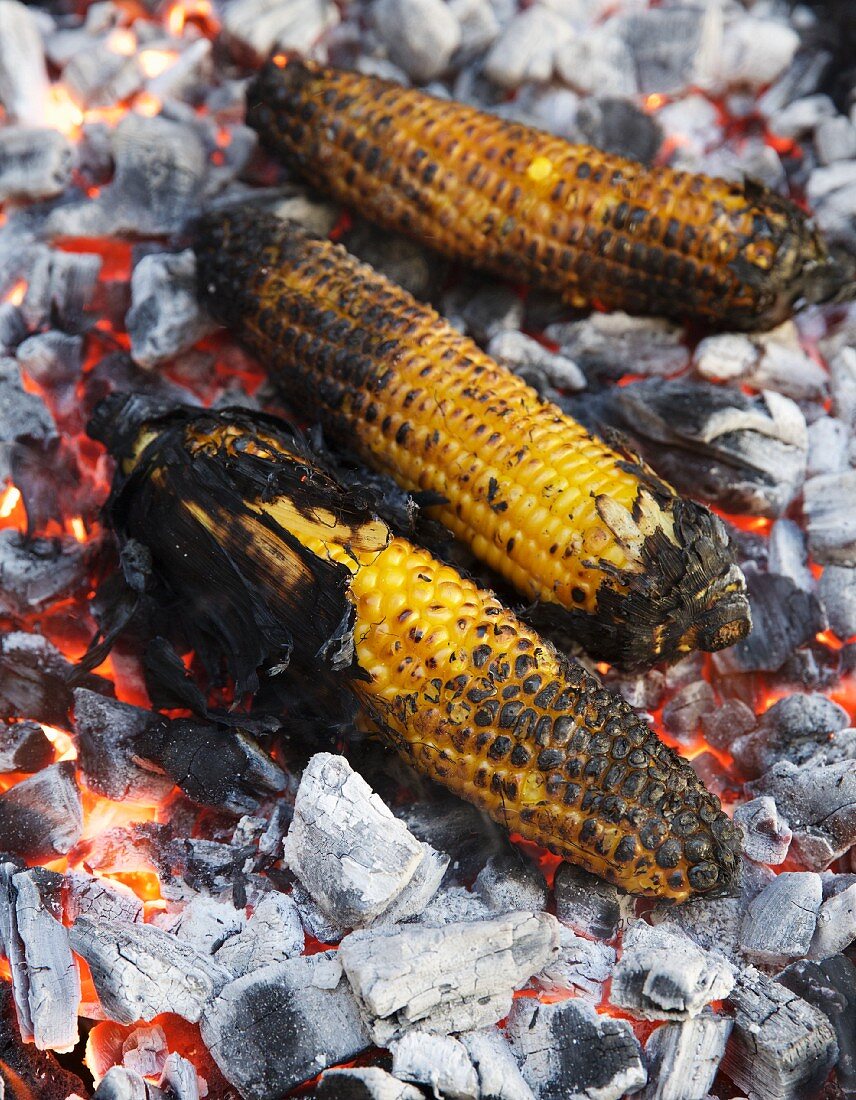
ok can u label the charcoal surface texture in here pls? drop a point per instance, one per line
(370, 1083)
(24, 747)
(498, 1073)
(42, 816)
(830, 986)
(780, 922)
(683, 1057)
(766, 836)
(24, 1067)
(587, 903)
(34, 572)
(440, 1062)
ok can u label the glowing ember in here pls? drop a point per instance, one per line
(61, 741)
(18, 292)
(122, 41)
(78, 528)
(155, 62)
(9, 501)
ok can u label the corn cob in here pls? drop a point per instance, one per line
(470, 696)
(638, 573)
(528, 206)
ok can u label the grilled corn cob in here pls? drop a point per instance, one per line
(638, 573)
(469, 695)
(526, 205)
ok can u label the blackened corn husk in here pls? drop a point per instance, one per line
(635, 572)
(234, 512)
(529, 206)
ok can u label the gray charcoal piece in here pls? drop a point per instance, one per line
(831, 519)
(24, 747)
(165, 317)
(479, 25)
(835, 139)
(420, 35)
(526, 49)
(836, 925)
(780, 1047)
(450, 825)
(370, 1083)
(60, 286)
(258, 27)
(663, 975)
(205, 923)
(607, 343)
(842, 370)
(23, 416)
(788, 553)
(12, 328)
(724, 357)
(666, 46)
(828, 441)
(543, 369)
(766, 837)
(498, 1073)
(683, 713)
(786, 368)
(452, 904)
(355, 858)
(582, 964)
(819, 804)
(34, 163)
(34, 572)
(279, 1026)
(439, 1061)
(511, 882)
(567, 1050)
(618, 126)
(24, 83)
(108, 733)
(831, 192)
(272, 934)
(86, 896)
(119, 1083)
(779, 924)
(587, 903)
(100, 77)
(683, 1058)
(398, 258)
(145, 1050)
(53, 360)
(794, 728)
(755, 51)
(598, 61)
(436, 977)
(830, 987)
(836, 591)
(315, 921)
(41, 817)
(179, 1078)
(485, 310)
(801, 116)
(731, 719)
(140, 971)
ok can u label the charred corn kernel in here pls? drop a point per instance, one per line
(532, 207)
(638, 573)
(468, 695)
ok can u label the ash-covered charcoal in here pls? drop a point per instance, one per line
(842, 371)
(119, 1083)
(399, 258)
(618, 126)
(608, 345)
(108, 738)
(140, 971)
(819, 804)
(370, 1083)
(828, 445)
(783, 618)
(780, 1047)
(24, 417)
(357, 860)
(831, 522)
(830, 986)
(798, 728)
(13, 328)
(273, 934)
(683, 713)
(746, 454)
(87, 896)
(279, 1026)
(205, 923)
(450, 825)
(24, 83)
(724, 357)
(788, 553)
(60, 287)
(497, 1069)
(511, 882)
(582, 964)
(41, 817)
(836, 591)
(315, 921)
(451, 978)
(683, 1058)
(731, 719)
(100, 77)
(35, 163)
(144, 1050)
(161, 168)
(440, 1062)
(257, 28)
(780, 922)
(214, 765)
(483, 308)
(766, 836)
(27, 1073)
(786, 368)
(836, 925)
(663, 975)
(525, 50)
(24, 747)
(45, 981)
(179, 1078)
(53, 360)
(165, 316)
(452, 904)
(589, 904)
(546, 371)
(567, 1049)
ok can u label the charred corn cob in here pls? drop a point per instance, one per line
(639, 573)
(526, 205)
(469, 695)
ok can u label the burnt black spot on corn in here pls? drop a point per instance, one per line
(529, 206)
(638, 573)
(468, 694)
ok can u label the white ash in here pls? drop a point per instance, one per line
(452, 904)
(828, 445)
(617, 344)
(835, 139)
(41, 817)
(436, 977)
(671, 48)
(788, 553)
(526, 49)
(357, 860)
(257, 28)
(683, 1058)
(554, 1045)
(831, 192)
(786, 368)
(543, 369)
(663, 975)
(836, 925)
(24, 84)
(100, 77)
(439, 1061)
(800, 117)
(145, 1050)
(140, 971)
(34, 163)
(165, 316)
(420, 35)
(780, 922)
(766, 836)
(597, 62)
(119, 1083)
(498, 1074)
(509, 883)
(370, 1083)
(692, 122)
(831, 522)
(726, 357)
(272, 934)
(479, 25)
(837, 593)
(842, 372)
(179, 1078)
(279, 1026)
(204, 923)
(780, 1047)
(755, 51)
(86, 896)
(582, 964)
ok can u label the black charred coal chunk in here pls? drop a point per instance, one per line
(42, 816)
(24, 747)
(26, 1072)
(34, 680)
(830, 985)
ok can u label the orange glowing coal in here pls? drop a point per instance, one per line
(187, 11)
(155, 62)
(9, 502)
(17, 293)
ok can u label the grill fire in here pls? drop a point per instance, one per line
(216, 878)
